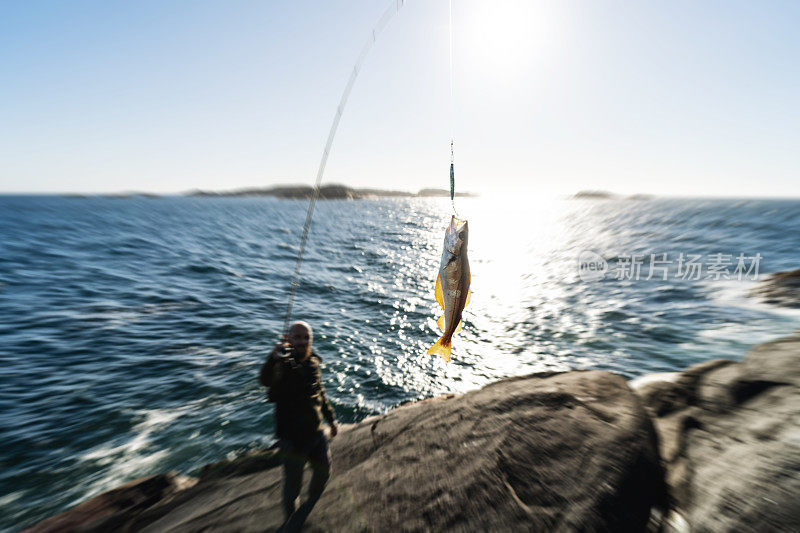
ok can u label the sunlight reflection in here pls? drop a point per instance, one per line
(509, 258)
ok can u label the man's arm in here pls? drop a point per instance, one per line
(267, 375)
(327, 410)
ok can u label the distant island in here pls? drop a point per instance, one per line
(114, 195)
(328, 192)
(605, 195)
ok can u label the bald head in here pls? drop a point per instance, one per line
(300, 337)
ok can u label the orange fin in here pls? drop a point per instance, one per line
(441, 349)
(441, 324)
(438, 291)
(469, 296)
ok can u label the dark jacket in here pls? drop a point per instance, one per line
(299, 396)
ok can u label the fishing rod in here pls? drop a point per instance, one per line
(387, 15)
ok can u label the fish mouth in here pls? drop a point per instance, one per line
(457, 224)
(455, 236)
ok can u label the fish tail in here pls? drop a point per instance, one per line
(441, 348)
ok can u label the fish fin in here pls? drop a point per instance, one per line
(440, 322)
(438, 291)
(469, 296)
(459, 326)
(440, 348)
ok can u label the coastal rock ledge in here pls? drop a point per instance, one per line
(730, 439)
(572, 451)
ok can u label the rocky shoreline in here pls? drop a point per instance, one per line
(715, 447)
(729, 439)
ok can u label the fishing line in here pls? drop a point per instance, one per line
(393, 8)
(452, 119)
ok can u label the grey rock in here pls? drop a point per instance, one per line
(730, 439)
(781, 288)
(112, 509)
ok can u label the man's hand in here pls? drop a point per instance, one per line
(334, 429)
(271, 369)
(279, 349)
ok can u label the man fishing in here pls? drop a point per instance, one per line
(292, 374)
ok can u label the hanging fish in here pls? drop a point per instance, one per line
(452, 285)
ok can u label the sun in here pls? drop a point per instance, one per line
(503, 37)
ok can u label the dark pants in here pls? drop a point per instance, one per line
(295, 457)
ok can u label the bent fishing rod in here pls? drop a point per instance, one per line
(387, 15)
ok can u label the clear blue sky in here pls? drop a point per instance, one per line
(679, 97)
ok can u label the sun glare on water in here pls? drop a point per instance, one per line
(510, 258)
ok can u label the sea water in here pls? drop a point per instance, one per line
(132, 329)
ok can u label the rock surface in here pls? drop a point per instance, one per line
(112, 509)
(730, 439)
(548, 452)
(781, 288)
